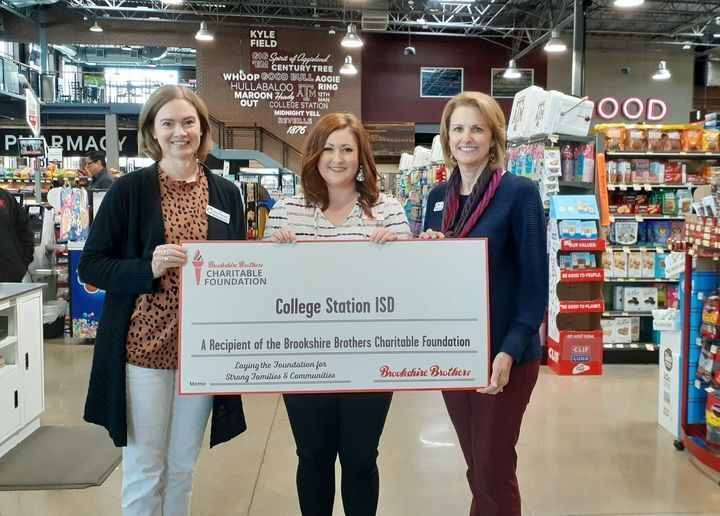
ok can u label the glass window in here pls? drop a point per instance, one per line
(135, 85)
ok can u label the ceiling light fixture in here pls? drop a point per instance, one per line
(332, 31)
(662, 73)
(512, 72)
(686, 45)
(555, 43)
(348, 68)
(204, 34)
(96, 28)
(628, 3)
(351, 39)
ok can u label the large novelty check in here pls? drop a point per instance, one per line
(334, 316)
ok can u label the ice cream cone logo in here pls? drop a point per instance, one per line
(198, 262)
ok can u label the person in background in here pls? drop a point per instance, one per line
(16, 239)
(94, 165)
(133, 253)
(481, 200)
(341, 200)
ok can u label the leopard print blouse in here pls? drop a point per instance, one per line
(152, 337)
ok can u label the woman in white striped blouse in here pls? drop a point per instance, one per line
(341, 200)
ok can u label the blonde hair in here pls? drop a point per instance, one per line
(147, 144)
(492, 113)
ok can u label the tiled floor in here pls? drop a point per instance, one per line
(589, 446)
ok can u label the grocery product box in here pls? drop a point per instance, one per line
(635, 329)
(634, 264)
(620, 264)
(647, 260)
(640, 299)
(576, 353)
(660, 265)
(617, 330)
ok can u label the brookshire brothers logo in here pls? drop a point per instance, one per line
(232, 273)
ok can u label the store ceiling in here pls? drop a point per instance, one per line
(515, 24)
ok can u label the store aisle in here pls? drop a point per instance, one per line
(590, 446)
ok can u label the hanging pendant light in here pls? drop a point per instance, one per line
(348, 68)
(512, 72)
(204, 34)
(555, 43)
(628, 3)
(351, 39)
(96, 28)
(662, 73)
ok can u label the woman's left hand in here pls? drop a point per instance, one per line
(382, 235)
(500, 374)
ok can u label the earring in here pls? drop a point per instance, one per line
(361, 174)
(492, 157)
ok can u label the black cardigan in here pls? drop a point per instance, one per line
(117, 258)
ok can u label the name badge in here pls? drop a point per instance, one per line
(217, 214)
(439, 206)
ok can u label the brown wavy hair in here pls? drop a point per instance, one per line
(147, 144)
(314, 186)
(490, 110)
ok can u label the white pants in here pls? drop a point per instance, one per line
(165, 433)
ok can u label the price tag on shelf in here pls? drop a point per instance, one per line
(611, 188)
(649, 347)
(699, 341)
(634, 346)
(709, 390)
(623, 187)
(607, 346)
(639, 218)
(660, 250)
(713, 349)
(648, 188)
(620, 346)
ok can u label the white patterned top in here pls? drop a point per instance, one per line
(309, 223)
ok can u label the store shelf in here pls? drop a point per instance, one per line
(693, 437)
(29, 181)
(618, 313)
(641, 280)
(628, 248)
(7, 341)
(649, 186)
(652, 154)
(647, 346)
(6, 370)
(641, 216)
(633, 353)
(580, 185)
(554, 138)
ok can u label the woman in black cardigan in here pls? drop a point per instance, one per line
(133, 254)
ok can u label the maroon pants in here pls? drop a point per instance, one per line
(488, 428)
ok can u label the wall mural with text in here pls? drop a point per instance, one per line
(282, 80)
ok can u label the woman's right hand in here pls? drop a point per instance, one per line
(283, 236)
(167, 256)
(431, 234)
